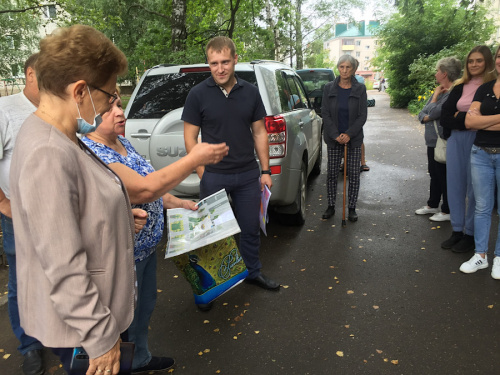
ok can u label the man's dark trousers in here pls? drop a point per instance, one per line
(244, 189)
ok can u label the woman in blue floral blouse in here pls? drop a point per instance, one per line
(147, 189)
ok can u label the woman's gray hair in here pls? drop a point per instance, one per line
(451, 66)
(351, 60)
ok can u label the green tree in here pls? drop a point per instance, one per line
(20, 23)
(316, 56)
(421, 29)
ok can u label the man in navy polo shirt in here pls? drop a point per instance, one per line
(229, 109)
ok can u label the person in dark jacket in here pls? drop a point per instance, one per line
(344, 109)
(478, 70)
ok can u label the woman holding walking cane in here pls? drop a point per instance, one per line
(344, 112)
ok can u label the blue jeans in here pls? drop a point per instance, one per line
(146, 302)
(458, 178)
(244, 189)
(485, 175)
(66, 354)
(27, 342)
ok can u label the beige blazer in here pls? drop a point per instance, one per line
(74, 242)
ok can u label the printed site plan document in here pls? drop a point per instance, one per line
(188, 230)
(264, 203)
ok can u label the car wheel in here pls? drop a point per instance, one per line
(316, 170)
(299, 218)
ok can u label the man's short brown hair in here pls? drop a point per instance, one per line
(77, 53)
(219, 43)
(30, 63)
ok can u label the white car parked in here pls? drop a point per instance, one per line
(155, 129)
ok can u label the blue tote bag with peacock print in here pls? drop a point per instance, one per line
(213, 269)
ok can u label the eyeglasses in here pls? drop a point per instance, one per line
(112, 97)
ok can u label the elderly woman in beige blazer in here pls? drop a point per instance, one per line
(73, 224)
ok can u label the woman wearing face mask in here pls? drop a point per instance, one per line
(478, 70)
(73, 224)
(484, 116)
(344, 110)
(147, 190)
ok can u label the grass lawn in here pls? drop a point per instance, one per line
(125, 100)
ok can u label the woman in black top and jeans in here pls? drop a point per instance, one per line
(484, 116)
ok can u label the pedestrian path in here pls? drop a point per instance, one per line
(377, 297)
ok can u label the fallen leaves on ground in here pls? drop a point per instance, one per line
(340, 354)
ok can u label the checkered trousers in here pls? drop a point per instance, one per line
(335, 155)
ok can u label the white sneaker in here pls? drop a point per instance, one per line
(440, 216)
(495, 270)
(477, 262)
(426, 210)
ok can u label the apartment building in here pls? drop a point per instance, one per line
(357, 40)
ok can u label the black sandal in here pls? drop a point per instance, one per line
(364, 168)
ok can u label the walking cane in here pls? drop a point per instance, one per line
(344, 224)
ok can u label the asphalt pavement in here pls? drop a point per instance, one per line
(376, 297)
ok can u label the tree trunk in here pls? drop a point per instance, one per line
(179, 34)
(276, 33)
(298, 35)
(232, 21)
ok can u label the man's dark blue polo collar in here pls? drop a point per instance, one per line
(211, 82)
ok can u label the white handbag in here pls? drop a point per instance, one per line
(440, 150)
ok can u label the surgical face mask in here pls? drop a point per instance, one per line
(83, 126)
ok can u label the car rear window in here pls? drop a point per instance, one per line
(160, 94)
(316, 79)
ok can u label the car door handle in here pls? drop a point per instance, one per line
(141, 135)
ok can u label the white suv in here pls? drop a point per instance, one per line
(155, 128)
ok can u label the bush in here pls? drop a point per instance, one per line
(413, 39)
(422, 72)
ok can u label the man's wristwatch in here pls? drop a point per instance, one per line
(267, 171)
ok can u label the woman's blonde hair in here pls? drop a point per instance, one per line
(489, 68)
(77, 53)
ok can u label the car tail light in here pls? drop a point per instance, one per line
(276, 134)
(275, 169)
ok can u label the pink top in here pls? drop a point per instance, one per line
(468, 92)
